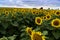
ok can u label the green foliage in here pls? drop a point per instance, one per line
(17, 24)
(8, 38)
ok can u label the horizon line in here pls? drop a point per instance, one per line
(44, 7)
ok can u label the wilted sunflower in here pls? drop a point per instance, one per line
(38, 20)
(29, 30)
(55, 23)
(37, 36)
(48, 17)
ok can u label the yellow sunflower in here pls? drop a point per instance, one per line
(37, 36)
(23, 11)
(57, 13)
(34, 12)
(38, 20)
(51, 12)
(44, 18)
(45, 12)
(55, 23)
(14, 9)
(14, 12)
(6, 13)
(48, 17)
(29, 30)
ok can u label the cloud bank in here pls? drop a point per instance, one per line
(30, 3)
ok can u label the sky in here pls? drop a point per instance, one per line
(30, 3)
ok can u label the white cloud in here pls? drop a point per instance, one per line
(26, 4)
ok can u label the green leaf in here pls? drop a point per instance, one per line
(50, 27)
(5, 25)
(12, 37)
(51, 38)
(45, 32)
(56, 34)
(14, 23)
(3, 38)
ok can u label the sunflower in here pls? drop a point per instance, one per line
(6, 13)
(48, 17)
(29, 30)
(44, 18)
(45, 12)
(37, 36)
(51, 12)
(34, 12)
(14, 12)
(38, 20)
(57, 13)
(14, 9)
(55, 23)
(23, 11)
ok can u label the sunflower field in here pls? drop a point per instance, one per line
(29, 24)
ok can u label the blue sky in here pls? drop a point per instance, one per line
(30, 3)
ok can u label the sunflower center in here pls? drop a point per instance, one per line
(6, 12)
(48, 16)
(56, 22)
(58, 13)
(36, 13)
(37, 37)
(44, 17)
(38, 20)
(33, 12)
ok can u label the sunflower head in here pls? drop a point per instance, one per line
(15, 9)
(6, 13)
(34, 12)
(37, 36)
(45, 12)
(55, 23)
(57, 13)
(22, 11)
(51, 12)
(29, 30)
(38, 20)
(44, 18)
(48, 17)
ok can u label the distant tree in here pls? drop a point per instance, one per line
(41, 8)
(48, 8)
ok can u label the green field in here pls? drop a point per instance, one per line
(29, 24)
